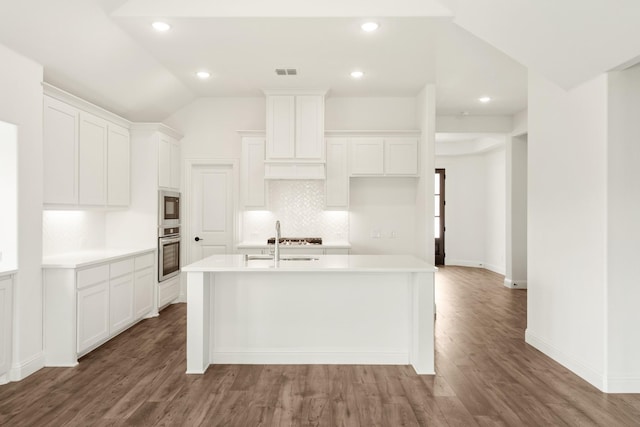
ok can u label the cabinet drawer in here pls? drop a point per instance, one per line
(144, 261)
(93, 275)
(119, 268)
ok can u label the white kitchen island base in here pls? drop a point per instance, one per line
(337, 309)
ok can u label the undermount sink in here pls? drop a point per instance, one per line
(257, 257)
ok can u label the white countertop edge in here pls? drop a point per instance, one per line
(86, 258)
(324, 264)
(4, 273)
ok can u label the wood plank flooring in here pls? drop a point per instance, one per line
(486, 376)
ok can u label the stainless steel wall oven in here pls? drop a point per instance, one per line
(168, 252)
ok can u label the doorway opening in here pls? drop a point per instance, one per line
(439, 218)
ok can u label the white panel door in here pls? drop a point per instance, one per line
(60, 140)
(92, 145)
(211, 211)
(253, 173)
(118, 166)
(143, 284)
(175, 164)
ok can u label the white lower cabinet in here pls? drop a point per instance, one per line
(168, 291)
(6, 319)
(143, 282)
(120, 296)
(86, 306)
(93, 315)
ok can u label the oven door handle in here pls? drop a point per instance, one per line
(169, 240)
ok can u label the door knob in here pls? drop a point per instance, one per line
(197, 239)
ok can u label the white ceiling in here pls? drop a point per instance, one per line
(106, 52)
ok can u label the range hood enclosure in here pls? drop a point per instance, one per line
(294, 170)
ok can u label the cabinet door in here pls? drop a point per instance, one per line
(92, 145)
(401, 156)
(6, 319)
(309, 127)
(252, 181)
(93, 315)
(168, 291)
(120, 303)
(280, 127)
(367, 156)
(337, 181)
(60, 143)
(143, 284)
(164, 161)
(175, 164)
(118, 166)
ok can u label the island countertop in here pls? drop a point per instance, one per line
(313, 263)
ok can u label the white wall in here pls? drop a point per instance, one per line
(210, 126)
(516, 211)
(567, 216)
(426, 119)
(475, 209)
(370, 113)
(495, 210)
(474, 124)
(21, 104)
(382, 215)
(623, 225)
(9, 191)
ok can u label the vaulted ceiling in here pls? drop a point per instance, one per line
(106, 51)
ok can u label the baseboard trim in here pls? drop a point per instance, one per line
(569, 362)
(623, 384)
(515, 284)
(474, 264)
(309, 358)
(23, 370)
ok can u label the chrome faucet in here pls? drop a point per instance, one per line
(276, 253)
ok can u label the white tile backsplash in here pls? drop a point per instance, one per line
(299, 205)
(72, 231)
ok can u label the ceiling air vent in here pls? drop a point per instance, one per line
(286, 71)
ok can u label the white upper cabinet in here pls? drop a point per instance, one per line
(168, 162)
(337, 181)
(401, 156)
(91, 160)
(309, 127)
(379, 156)
(118, 166)
(252, 173)
(60, 145)
(86, 156)
(281, 127)
(367, 156)
(295, 127)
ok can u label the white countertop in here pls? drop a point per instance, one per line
(85, 258)
(321, 263)
(324, 245)
(7, 272)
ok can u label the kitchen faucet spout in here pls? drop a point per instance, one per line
(276, 254)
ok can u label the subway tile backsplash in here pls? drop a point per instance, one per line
(299, 205)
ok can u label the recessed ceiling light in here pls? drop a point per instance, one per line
(484, 99)
(161, 26)
(203, 74)
(369, 26)
(357, 74)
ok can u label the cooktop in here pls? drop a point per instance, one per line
(296, 241)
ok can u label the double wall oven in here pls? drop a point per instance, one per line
(168, 235)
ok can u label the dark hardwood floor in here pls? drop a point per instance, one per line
(486, 376)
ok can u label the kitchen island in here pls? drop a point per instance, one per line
(319, 309)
